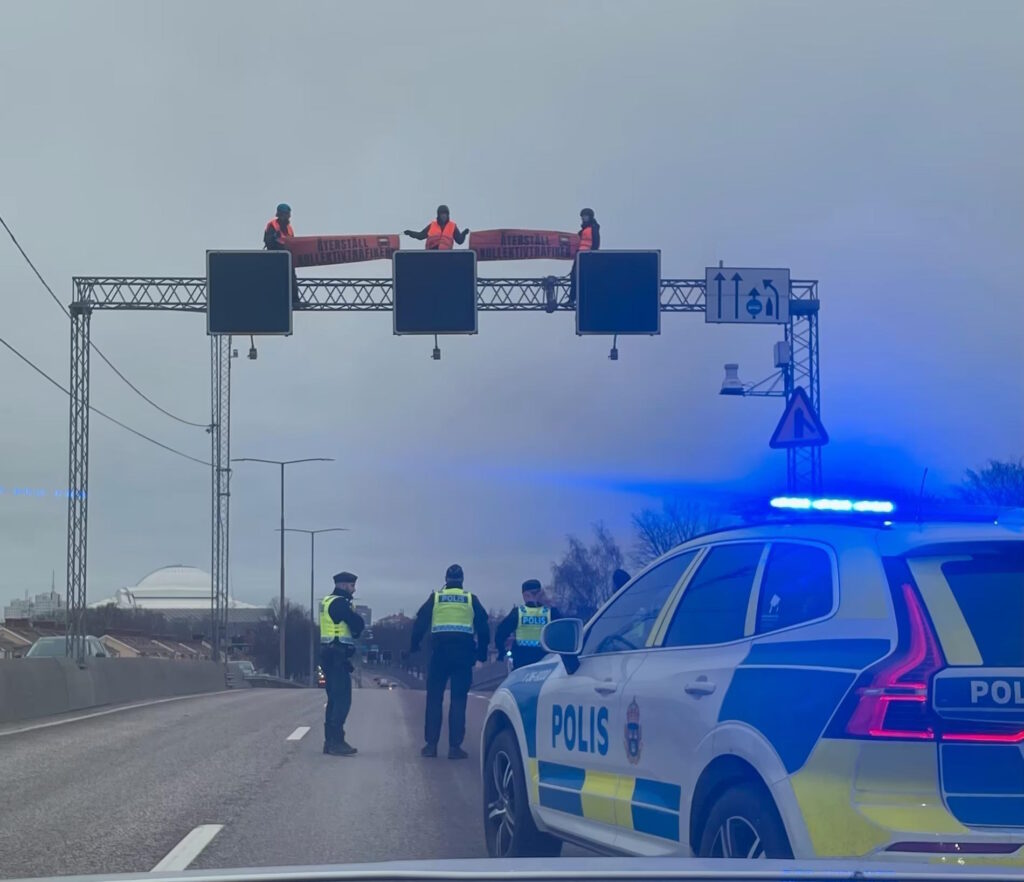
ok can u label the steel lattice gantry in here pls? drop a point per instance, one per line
(547, 294)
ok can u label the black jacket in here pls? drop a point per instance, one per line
(521, 655)
(457, 645)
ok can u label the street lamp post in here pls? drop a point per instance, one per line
(312, 577)
(281, 463)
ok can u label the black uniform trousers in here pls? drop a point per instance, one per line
(446, 666)
(338, 681)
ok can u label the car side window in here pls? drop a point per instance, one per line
(627, 622)
(714, 605)
(796, 586)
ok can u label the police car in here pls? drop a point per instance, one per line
(804, 687)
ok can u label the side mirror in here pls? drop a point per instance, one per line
(564, 637)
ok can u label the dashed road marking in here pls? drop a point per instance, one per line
(186, 851)
(298, 734)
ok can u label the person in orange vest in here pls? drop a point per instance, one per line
(590, 240)
(442, 234)
(278, 231)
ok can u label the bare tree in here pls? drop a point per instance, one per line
(582, 580)
(998, 483)
(658, 532)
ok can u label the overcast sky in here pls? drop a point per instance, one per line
(874, 146)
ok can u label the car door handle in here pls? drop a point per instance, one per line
(699, 687)
(606, 690)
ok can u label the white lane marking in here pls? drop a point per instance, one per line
(298, 734)
(186, 851)
(112, 710)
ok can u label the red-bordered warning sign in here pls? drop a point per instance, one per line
(800, 425)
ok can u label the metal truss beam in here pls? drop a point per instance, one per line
(188, 294)
(78, 483)
(220, 464)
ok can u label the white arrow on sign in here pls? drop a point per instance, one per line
(746, 295)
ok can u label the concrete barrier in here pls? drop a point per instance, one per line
(39, 687)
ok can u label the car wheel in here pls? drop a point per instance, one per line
(744, 823)
(508, 824)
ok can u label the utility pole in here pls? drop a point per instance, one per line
(281, 463)
(312, 589)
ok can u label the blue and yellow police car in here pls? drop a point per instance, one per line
(803, 687)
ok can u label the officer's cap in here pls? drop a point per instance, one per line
(619, 578)
(443, 209)
(283, 207)
(531, 585)
(344, 577)
(586, 211)
(454, 575)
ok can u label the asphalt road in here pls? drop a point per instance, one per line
(120, 792)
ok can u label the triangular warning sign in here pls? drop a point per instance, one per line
(799, 426)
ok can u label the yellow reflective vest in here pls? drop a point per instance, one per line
(452, 613)
(532, 620)
(329, 629)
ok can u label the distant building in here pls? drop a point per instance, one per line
(48, 606)
(365, 612)
(396, 620)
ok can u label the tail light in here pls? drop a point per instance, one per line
(891, 699)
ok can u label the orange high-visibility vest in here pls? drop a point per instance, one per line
(441, 238)
(587, 239)
(275, 225)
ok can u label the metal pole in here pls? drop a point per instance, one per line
(281, 670)
(312, 623)
(214, 496)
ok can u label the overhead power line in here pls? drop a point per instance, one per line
(99, 412)
(96, 348)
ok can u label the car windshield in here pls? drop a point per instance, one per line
(529, 434)
(47, 647)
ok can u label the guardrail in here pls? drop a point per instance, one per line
(40, 687)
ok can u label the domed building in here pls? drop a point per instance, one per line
(181, 592)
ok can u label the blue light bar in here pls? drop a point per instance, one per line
(806, 503)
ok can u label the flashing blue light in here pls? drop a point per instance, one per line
(861, 506)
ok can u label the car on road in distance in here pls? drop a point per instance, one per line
(829, 682)
(321, 680)
(56, 647)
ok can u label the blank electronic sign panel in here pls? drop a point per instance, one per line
(618, 292)
(435, 292)
(248, 292)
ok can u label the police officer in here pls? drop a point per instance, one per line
(339, 626)
(453, 616)
(525, 622)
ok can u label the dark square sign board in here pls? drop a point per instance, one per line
(435, 292)
(618, 292)
(248, 292)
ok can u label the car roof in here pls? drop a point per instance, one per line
(891, 538)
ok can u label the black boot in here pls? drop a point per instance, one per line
(429, 750)
(457, 753)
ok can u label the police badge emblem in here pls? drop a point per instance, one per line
(633, 734)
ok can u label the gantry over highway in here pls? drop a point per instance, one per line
(548, 294)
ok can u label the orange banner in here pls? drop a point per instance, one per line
(523, 245)
(324, 250)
